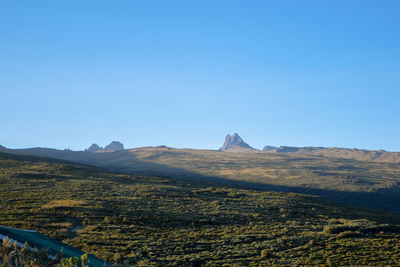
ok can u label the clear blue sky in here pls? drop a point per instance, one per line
(186, 73)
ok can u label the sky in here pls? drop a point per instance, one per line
(186, 73)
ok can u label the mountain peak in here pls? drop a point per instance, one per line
(114, 145)
(94, 148)
(235, 143)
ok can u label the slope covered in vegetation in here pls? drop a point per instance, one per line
(165, 221)
(360, 183)
(345, 153)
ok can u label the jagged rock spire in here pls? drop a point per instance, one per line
(235, 142)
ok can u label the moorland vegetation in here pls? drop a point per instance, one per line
(158, 221)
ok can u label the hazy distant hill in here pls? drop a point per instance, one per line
(357, 154)
(161, 221)
(269, 148)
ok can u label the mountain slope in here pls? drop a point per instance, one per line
(334, 152)
(166, 221)
(368, 184)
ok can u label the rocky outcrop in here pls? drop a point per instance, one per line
(269, 148)
(94, 148)
(287, 149)
(235, 143)
(114, 146)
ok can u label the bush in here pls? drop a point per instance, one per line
(337, 229)
(348, 234)
(265, 253)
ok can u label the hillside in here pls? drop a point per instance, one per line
(166, 221)
(335, 152)
(362, 183)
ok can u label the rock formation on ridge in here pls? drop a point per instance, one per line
(269, 148)
(94, 148)
(114, 145)
(234, 143)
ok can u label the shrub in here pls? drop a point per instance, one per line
(348, 234)
(336, 229)
(265, 253)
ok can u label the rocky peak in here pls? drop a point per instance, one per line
(269, 148)
(114, 145)
(94, 148)
(235, 142)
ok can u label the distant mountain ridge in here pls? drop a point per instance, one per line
(335, 152)
(234, 143)
(269, 148)
(94, 148)
(113, 146)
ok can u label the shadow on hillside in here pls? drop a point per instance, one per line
(124, 161)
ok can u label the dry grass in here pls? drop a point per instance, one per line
(65, 203)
